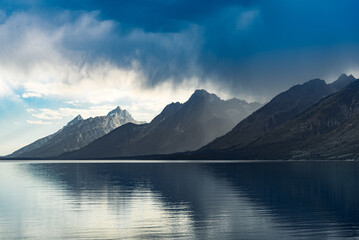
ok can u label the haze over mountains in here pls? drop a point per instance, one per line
(279, 110)
(314, 120)
(295, 125)
(75, 135)
(179, 127)
(328, 130)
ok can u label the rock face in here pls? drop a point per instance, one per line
(75, 135)
(278, 111)
(179, 127)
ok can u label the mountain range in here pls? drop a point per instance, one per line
(76, 134)
(313, 120)
(179, 127)
(327, 130)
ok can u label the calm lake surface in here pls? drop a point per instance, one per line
(273, 200)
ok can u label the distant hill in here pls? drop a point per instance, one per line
(75, 135)
(179, 127)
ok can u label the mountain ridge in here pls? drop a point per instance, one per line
(179, 127)
(328, 130)
(279, 110)
(75, 134)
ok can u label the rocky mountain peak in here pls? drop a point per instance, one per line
(117, 112)
(344, 77)
(76, 134)
(75, 120)
(343, 81)
(201, 94)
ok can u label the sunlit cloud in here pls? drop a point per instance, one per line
(43, 64)
(74, 103)
(56, 72)
(38, 122)
(31, 94)
(61, 113)
(49, 61)
(5, 89)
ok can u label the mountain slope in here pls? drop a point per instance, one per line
(279, 110)
(328, 130)
(179, 127)
(75, 135)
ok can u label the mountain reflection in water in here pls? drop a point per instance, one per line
(269, 200)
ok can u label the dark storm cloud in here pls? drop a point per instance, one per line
(256, 46)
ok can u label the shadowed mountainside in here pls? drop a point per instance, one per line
(327, 130)
(279, 110)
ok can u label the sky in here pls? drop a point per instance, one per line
(59, 59)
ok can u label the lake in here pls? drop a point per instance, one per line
(237, 200)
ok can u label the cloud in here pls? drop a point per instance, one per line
(83, 56)
(5, 89)
(84, 59)
(101, 53)
(247, 18)
(31, 94)
(61, 113)
(39, 122)
(74, 103)
(54, 62)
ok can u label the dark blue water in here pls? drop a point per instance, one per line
(287, 200)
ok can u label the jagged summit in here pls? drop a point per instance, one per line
(118, 111)
(76, 119)
(343, 76)
(115, 111)
(121, 115)
(76, 134)
(342, 81)
(201, 94)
